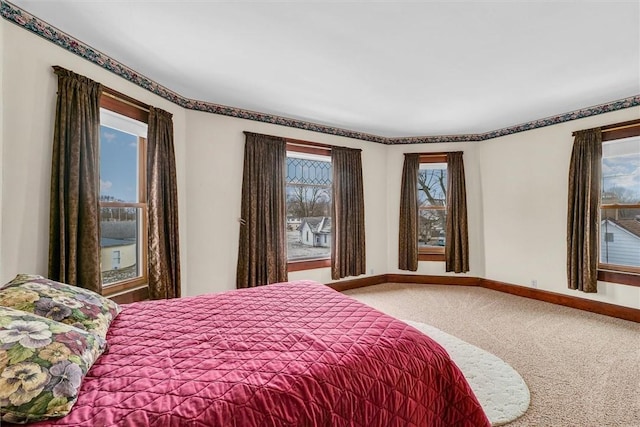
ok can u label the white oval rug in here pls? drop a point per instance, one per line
(501, 391)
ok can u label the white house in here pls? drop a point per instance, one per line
(116, 254)
(118, 247)
(293, 223)
(316, 231)
(620, 241)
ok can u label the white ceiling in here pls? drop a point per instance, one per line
(393, 68)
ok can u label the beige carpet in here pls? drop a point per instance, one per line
(501, 391)
(582, 369)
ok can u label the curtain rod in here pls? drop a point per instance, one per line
(620, 127)
(301, 141)
(617, 126)
(111, 93)
(124, 99)
(436, 153)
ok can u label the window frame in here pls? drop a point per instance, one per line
(308, 147)
(133, 109)
(432, 253)
(626, 275)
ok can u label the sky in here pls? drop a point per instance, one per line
(622, 172)
(118, 164)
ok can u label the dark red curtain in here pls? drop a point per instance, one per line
(457, 246)
(584, 210)
(162, 195)
(262, 251)
(408, 230)
(348, 241)
(74, 228)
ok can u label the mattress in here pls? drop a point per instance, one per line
(287, 354)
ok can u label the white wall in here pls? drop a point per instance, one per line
(215, 151)
(2, 66)
(516, 185)
(29, 96)
(209, 185)
(524, 186)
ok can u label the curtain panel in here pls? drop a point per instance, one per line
(162, 199)
(408, 229)
(74, 229)
(262, 251)
(457, 245)
(584, 210)
(348, 241)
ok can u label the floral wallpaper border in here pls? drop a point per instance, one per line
(29, 22)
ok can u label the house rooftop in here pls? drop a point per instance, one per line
(318, 224)
(630, 224)
(118, 229)
(105, 242)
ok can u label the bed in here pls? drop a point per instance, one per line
(287, 354)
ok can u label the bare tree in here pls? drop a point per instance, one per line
(308, 200)
(620, 196)
(432, 191)
(433, 184)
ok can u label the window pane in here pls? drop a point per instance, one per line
(120, 244)
(432, 184)
(621, 171)
(431, 228)
(118, 165)
(308, 207)
(620, 237)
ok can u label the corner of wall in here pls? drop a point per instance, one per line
(523, 184)
(395, 159)
(2, 38)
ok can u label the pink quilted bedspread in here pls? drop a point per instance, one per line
(290, 354)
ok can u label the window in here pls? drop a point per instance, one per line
(123, 192)
(620, 200)
(308, 206)
(115, 264)
(432, 209)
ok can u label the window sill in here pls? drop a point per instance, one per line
(431, 257)
(123, 286)
(620, 277)
(130, 295)
(308, 264)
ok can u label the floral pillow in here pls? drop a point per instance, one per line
(42, 364)
(64, 303)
